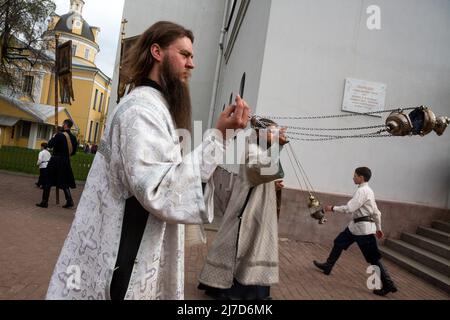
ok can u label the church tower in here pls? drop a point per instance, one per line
(76, 6)
(76, 10)
(72, 26)
(91, 86)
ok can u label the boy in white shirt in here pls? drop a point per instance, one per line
(43, 159)
(365, 224)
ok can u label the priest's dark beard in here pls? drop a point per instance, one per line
(177, 95)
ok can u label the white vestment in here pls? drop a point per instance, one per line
(139, 156)
(247, 250)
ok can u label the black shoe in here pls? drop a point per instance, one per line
(384, 291)
(42, 204)
(68, 205)
(325, 267)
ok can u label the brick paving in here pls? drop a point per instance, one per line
(31, 239)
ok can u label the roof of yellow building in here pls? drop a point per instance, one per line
(39, 112)
(7, 121)
(64, 25)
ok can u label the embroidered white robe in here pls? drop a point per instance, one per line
(139, 156)
(253, 258)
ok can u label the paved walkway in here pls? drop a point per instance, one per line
(31, 239)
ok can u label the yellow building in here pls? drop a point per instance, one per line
(91, 86)
(28, 124)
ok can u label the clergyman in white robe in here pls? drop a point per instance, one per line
(139, 156)
(247, 250)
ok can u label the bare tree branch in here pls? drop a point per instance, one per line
(21, 44)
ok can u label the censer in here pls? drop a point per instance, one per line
(314, 205)
(420, 121)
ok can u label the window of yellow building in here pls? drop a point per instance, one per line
(26, 127)
(27, 85)
(90, 131)
(43, 132)
(101, 101)
(96, 131)
(95, 98)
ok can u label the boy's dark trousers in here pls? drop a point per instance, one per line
(369, 248)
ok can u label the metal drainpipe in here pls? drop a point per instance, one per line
(218, 64)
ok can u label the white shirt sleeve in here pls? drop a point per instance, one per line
(377, 216)
(262, 166)
(359, 198)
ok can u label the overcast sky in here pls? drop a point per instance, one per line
(107, 15)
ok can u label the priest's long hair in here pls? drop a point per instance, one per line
(139, 62)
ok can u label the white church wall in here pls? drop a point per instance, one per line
(313, 45)
(247, 56)
(297, 55)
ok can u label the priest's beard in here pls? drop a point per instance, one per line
(177, 95)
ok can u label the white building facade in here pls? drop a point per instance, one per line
(297, 55)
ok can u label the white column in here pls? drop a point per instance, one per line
(37, 87)
(50, 133)
(33, 135)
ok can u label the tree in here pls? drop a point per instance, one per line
(22, 23)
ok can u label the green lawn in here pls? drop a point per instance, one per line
(24, 160)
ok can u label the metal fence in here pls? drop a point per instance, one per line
(24, 160)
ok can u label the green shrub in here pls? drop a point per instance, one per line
(24, 160)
